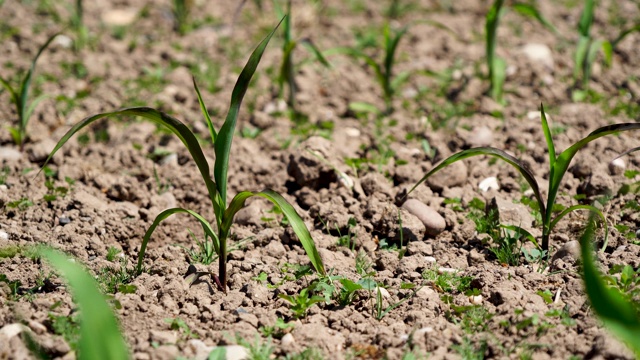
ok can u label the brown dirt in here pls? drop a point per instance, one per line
(116, 192)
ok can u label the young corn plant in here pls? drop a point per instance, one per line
(616, 311)
(384, 70)
(287, 68)
(497, 66)
(216, 187)
(181, 10)
(587, 48)
(20, 98)
(558, 165)
(100, 336)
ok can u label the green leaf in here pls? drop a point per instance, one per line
(225, 135)
(174, 125)
(363, 107)
(616, 312)
(586, 18)
(206, 227)
(100, 336)
(491, 26)
(517, 164)
(547, 136)
(531, 11)
(312, 48)
(591, 208)
(624, 34)
(289, 212)
(205, 112)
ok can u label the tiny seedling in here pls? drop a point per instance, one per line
(588, 47)
(180, 325)
(278, 329)
(383, 70)
(20, 98)
(497, 66)
(216, 187)
(181, 10)
(301, 302)
(287, 68)
(95, 315)
(558, 165)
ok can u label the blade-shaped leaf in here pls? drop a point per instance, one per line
(12, 92)
(581, 54)
(532, 12)
(289, 212)
(174, 125)
(100, 336)
(586, 18)
(312, 48)
(206, 227)
(491, 26)
(564, 159)
(225, 135)
(627, 152)
(390, 53)
(592, 209)
(517, 164)
(617, 313)
(624, 34)
(24, 87)
(521, 231)
(205, 112)
(547, 136)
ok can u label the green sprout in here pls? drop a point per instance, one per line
(100, 336)
(20, 97)
(588, 47)
(287, 69)
(558, 165)
(616, 312)
(217, 187)
(181, 10)
(497, 66)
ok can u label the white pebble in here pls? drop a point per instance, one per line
(617, 166)
(287, 340)
(539, 53)
(430, 259)
(490, 183)
(442, 270)
(352, 132)
(345, 180)
(64, 41)
(475, 299)
(4, 235)
(385, 294)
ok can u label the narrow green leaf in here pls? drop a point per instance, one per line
(289, 212)
(225, 135)
(174, 125)
(581, 54)
(517, 164)
(531, 11)
(11, 90)
(26, 82)
(522, 232)
(390, 54)
(586, 18)
(363, 107)
(206, 227)
(627, 152)
(491, 26)
(498, 77)
(100, 336)
(624, 34)
(607, 51)
(547, 136)
(564, 159)
(205, 112)
(312, 48)
(616, 312)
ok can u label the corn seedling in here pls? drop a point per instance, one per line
(20, 97)
(558, 165)
(587, 48)
(181, 10)
(287, 68)
(383, 70)
(497, 66)
(216, 187)
(616, 312)
(77, 24)
(100, 336)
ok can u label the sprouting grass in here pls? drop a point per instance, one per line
(616, 311)
(216, 187)
(558, 165)
(100, 336)
(181, 10)
(588, 48)
(287, 68)
(497, 66)
(20, 98)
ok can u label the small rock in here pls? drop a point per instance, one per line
(509, 213)
(480, 136)
(442, 270)
(425, 292)
(163, 336)
(449, 177)
(64, 41)
(539, 53)
(236, 352)
(287, 340)
(345, 180)
(617, 166)
(490, 183)
(119, 17)
(64, 220)
(4, 235)
(375, 182)
(352, 132)
(11, 330)
(199, 350)
(535, 115)
(598, 183)
(570, 249)
(475, 257)
(275, 249)
(433, 222)
(475, 299)
(383, 292)
(424, 330)
(430, 259)
(37, 327)
(9, 154)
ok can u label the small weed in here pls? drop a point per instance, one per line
(181, 326)
(446, 281)
(114, 280)
(276, 330)
(469, 350)
(112, 252)
(66, 326)
(258, 350)
(301, 302)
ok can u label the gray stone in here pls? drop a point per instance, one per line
(617, 166)
(451, 176)
(9, 154)
(570, 249)
(433, 222)
(509, 213)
